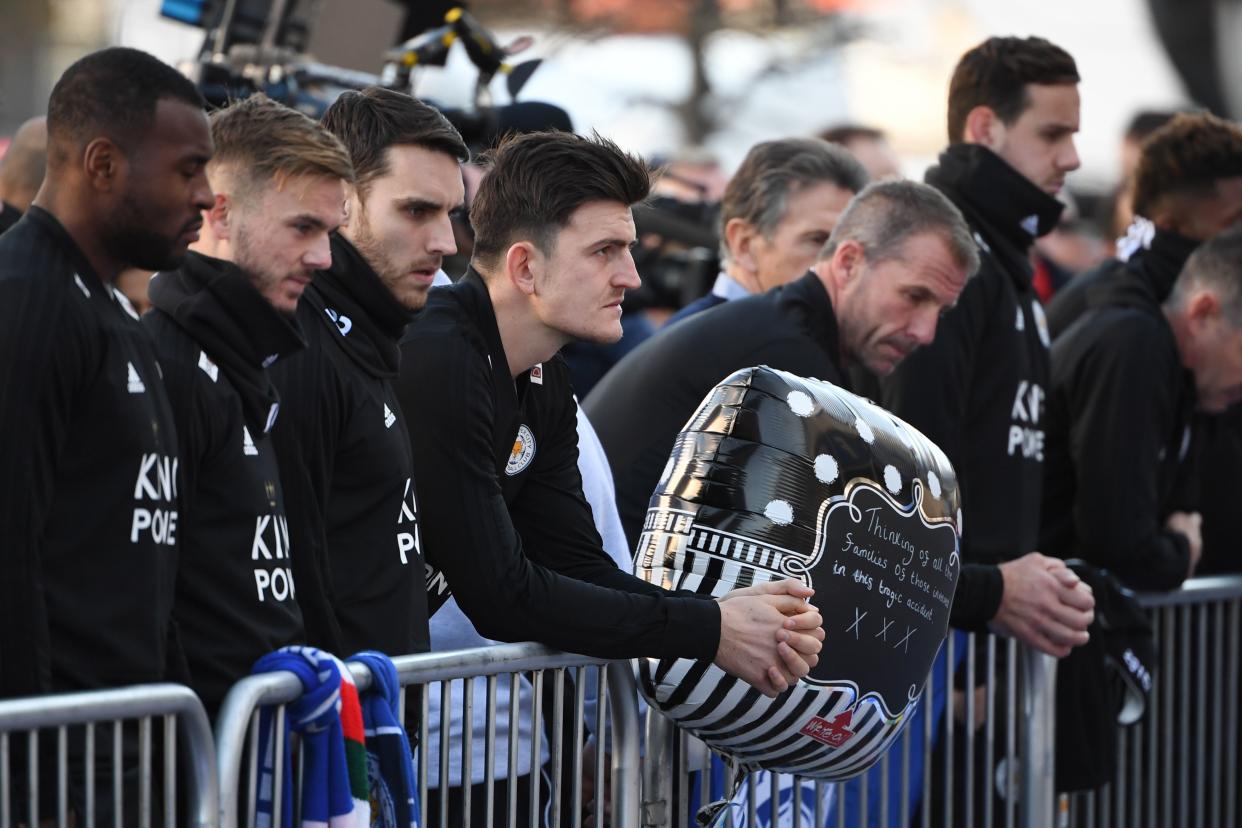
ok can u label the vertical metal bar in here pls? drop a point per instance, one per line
(968, 733)
(1166, 736)
(252, 782)
(446, 719)
(989, 732)
(904, 818)
(841, 802)
(820, 816)
(62, 777)
(1220, 784)
(558, 741)
(1106, 806)
(489, 756)
(1183, 704)
(575, 799)
(89, 742)
(1038, 729)
(536, 742)
(752, 795)
(681, 766)
(1232, 657)
(6, 807)
(424, 711)
(278, 764)
(884, 789)
(1136, 773)
(511, 778)
(170, 771)
(467, 747)
(601, 725)
(32, 771)
(1119, 783)
(774, 792)
(863, 796)
(1090, 809)
(1201, 740)
(950, 644)
(929, 712)
(118, 770)
(657, 769)
(1011, 730)
(144, 773)
(1154, 718)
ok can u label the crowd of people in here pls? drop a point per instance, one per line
(314, 436)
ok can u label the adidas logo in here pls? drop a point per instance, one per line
(134, 381)
(389, 417)
(248, 444)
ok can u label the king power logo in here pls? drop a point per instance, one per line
(407, 525)
(1025, 438)
(156, 488)
(271, 543)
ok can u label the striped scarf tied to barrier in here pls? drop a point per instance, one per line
(328, 718)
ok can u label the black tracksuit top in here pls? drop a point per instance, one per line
(978, 390)
(505, 523)
(344, 456)
(645, 400)
(88, 459)
(235, 600)
(1119, 415)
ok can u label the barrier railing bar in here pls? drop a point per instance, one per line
(446, 707)
(1234, 627)
(968, 733)
(575, 801)
(1183, 767)
(989, 732)
(949, 669)
(467, 749)
(558, 740)
(1219, 783)
(489, 756)
(62, 777)
(1201, 590)
(536, 743)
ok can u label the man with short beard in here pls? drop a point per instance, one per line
(219, 322)
(88, 458)
(343, 448)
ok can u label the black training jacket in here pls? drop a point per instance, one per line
(88, 476)
(1119, 414)
(645, 400)
(505, 523)
(345, 462)
(235, 600)
(9, 216)
(978, 390)
(1157, 264)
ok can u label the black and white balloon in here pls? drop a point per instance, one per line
(776, 476)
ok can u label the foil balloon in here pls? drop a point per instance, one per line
(776, 476)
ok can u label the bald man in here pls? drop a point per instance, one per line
(21, 170)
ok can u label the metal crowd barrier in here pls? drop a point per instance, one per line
(1179, 765)
(70, 735)
(546, 669)
(973, 774)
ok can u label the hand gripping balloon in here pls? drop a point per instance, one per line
(776, 476)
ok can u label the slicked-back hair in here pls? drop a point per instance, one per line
(772, 171)
(111, 93)
(995, 74)
(1186, 156)
(260, 141)
(1216, 265)
(886, 214)
(371, 121)
(539, 179)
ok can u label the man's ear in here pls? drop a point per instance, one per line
(1202, 309)
(740, 236)
(984, 126)
(103, 163)
(848, 260)
(523, 263)
(220, 216)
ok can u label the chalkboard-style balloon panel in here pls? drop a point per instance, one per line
(776, 476)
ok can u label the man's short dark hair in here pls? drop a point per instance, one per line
(1217, 266)
(371, 121)
(996, 73)
(775, 170)
(538, 180)
(1186, 156)
(846, 134)
(111, 93)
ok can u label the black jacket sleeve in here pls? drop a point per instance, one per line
(305, 438)
(1123, 411)
(44, 362)
(980, 588)
(470, 536)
